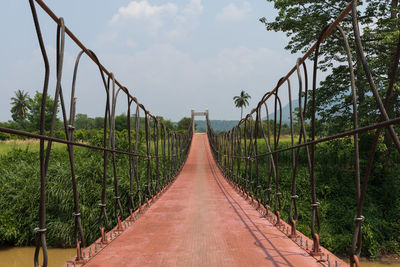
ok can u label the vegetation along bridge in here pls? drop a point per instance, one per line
(236, 198)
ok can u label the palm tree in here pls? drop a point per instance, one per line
(241, 101)
(20, 105)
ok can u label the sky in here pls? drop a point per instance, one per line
(172, 55)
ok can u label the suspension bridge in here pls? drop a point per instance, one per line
(200, 200)
(203, 219)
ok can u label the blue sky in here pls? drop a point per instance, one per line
(172, 55)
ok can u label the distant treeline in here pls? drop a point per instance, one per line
(217, 125)
(223, 126)
(86, 127)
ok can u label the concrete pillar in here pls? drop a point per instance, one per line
(194, 127)
(206, 120)
(194, 114)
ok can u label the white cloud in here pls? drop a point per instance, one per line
(168, 81)
(181, 82)
(175, 22)
(232, 12)
(186, 20)
(142, 10)
(194, 8)
(149, 15)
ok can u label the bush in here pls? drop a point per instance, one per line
(20, 184)
(5, 136)
(335, 189)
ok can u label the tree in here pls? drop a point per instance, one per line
(303, 22)
(82, 121)
(167, 123)
(34, 116)
(99, 123)
(184, 124)
(241, 101)
(20, 106)
(121, 122)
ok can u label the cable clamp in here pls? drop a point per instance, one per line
(76, 214)
(295, 197)
(102, 205)
(316, 204)
(359, 219)
(38, 230)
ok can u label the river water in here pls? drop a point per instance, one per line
(378, 264)
(23, 257)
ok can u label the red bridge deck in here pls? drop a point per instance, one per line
(202, 221)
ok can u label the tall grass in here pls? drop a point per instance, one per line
(32, 145)
(335, 188)
(20, 183)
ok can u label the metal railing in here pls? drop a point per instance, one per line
(165, 149)
(236, 151)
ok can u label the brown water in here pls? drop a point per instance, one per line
(378, 264)
(23, 257)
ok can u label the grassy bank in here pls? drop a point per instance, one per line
(335, 188)
(20, 183)
(31, 145)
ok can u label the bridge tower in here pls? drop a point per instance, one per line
(205, 113)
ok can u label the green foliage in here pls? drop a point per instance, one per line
(168, 123)
(82, 121)
(5, 136)
(60, 134)
(216, 125)
(20, 183)
(19, 106)
(241, 101)
(34, 115)
(184, 124)
(335, 188)
(121, 122)
(303, 23)
(18, 195)
(85, 135)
